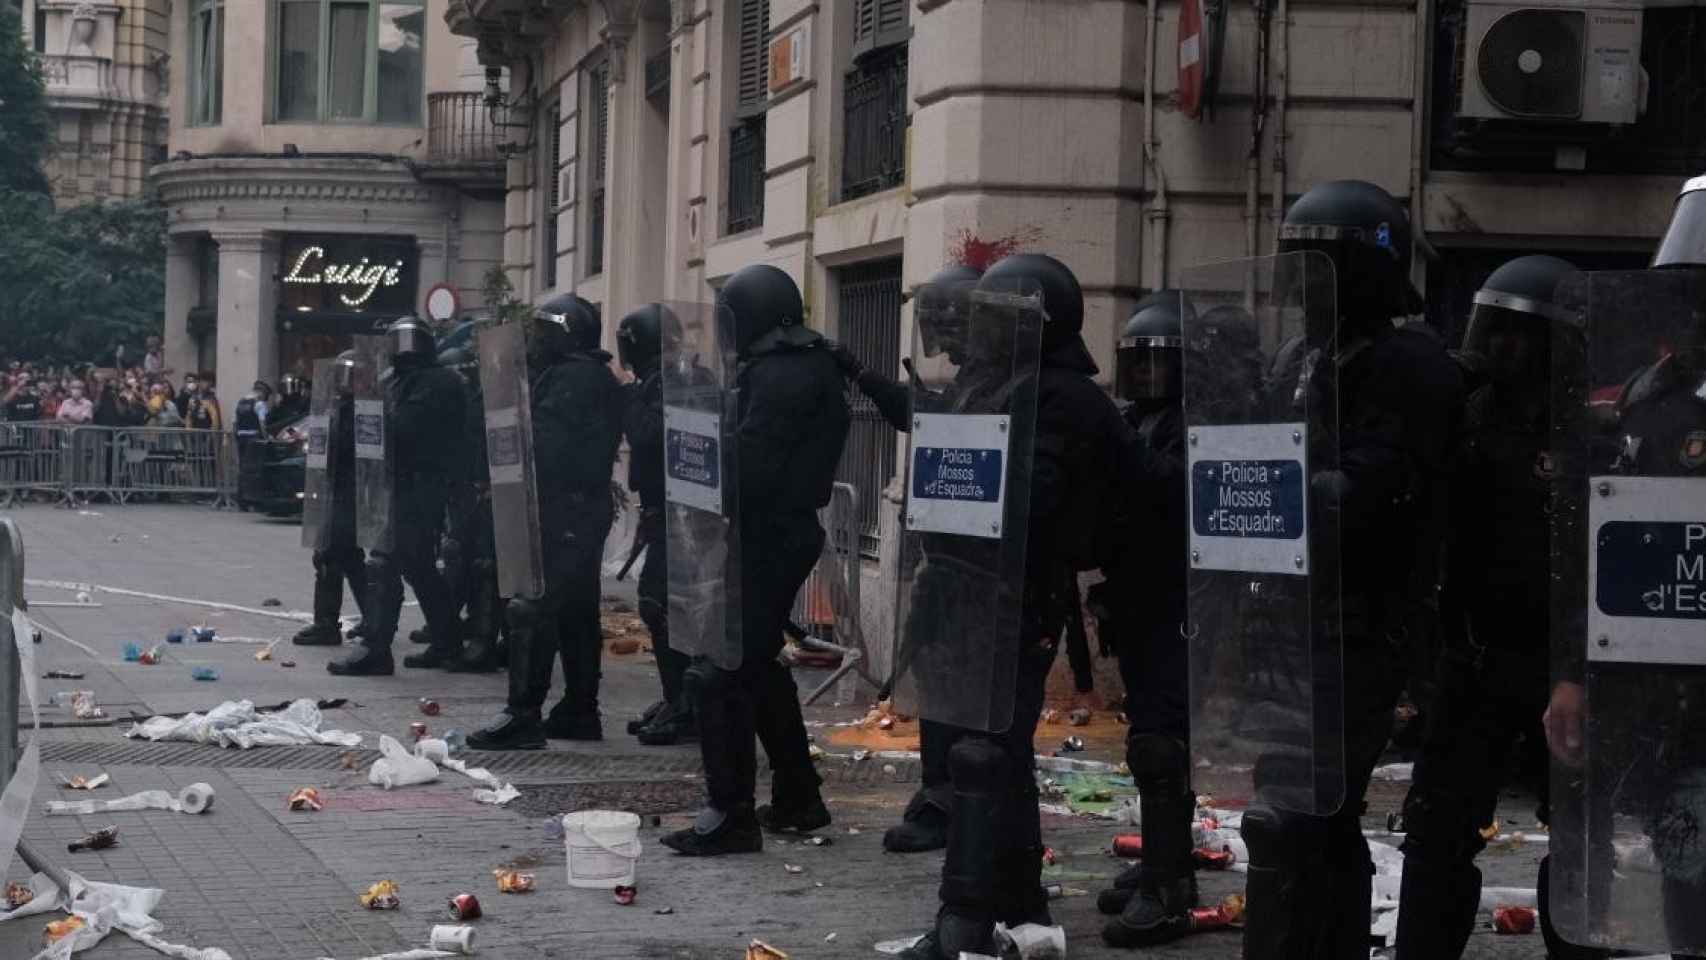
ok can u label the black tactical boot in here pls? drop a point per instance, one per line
(432, 658)
(716, 833)
(364, 661)
(1112, 901)
(795, 817)
(420, 635)
(318, 635)
(924, 825)
(567, 723)
(670, 727)
(644, 720)
(1159, 912)
(509, 732)
(953, 935)
(477, 657)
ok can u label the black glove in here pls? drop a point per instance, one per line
(850, 366)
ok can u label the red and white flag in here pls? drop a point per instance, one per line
(1190, 58)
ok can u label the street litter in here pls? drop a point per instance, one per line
(84, 707)
(1079, 717)
(464, 906)
(664, 911)
(204, 673)
(132, 652)
(759, 950)
(830, 937)
(1031, 941)
(513, 881)
(790, 868)
(62, 675)
(1228, 912)
(452, 939)
(418, 729)
(57, 930)
(381, 896)
(195, 798)
(1072, 745)
(1514, 920)
(99, 840)
(174, 636)
(287, 664)
(264, 654)
(896, 947)
(81, 782)
(429, 707)
(397, 767)
(306, 798)
(498, 797)
(18, 894)
(203, 634)
(817, 841)
(625, 895)
(151, 656)
(236, 723)
(1394, 772)
(272, 602)
(98, 909)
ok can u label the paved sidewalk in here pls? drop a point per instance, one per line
(264, 883)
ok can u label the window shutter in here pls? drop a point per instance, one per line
(754, 61)
(878, 24)
(553, 189)
(864, 21)
(600, 122)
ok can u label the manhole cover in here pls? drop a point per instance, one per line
(644, 797)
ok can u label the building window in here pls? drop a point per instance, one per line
(598, 130)
(869, 311)
(873, 131)
(553, 193)
(879, 25)
(752, 98)
(207, 84)
(348, 61)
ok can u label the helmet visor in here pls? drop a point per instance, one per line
(1148, 368)
(1684, 244)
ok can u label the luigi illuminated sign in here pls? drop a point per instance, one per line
(343, 274)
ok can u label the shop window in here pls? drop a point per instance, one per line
(207, 86)
(348, 61)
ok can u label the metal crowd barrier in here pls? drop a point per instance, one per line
(11, 685)
(74, 464)
(829, 600)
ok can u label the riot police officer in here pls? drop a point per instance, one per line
(993, 867)
(342, 560)
(576, 417)
(420, 398)
(1144, 598)
(1491, 679)
(939, 309)
(791, 422)
(467, 551)
(639, 345)
(1399, 398)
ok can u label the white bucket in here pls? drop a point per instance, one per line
(602, 847)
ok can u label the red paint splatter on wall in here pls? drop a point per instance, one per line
(980, 254)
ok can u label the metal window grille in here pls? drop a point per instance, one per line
(599, 92)
(553, 193)
(870, 327)
(460, 129)
(873, 149)
(746, 176)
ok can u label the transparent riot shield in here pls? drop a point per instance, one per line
(1263, 630)
(509, 460)
(962, 552)
(320, 462)
(375, 480)
(701, 483)
(1628, 808)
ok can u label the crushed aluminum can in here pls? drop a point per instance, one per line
(203, 634)
(99, 840)
(1054, 891)
(1072, 745)
(513, 881)
(306, 798)
(132, 653)
(18, 894)
(1128, 846)
(1051, 716)
(418, 728)
(1395, 822)
(1228, 912)
(150, 657)
(1048, 857)
(625, 895)
(464, 907)
(57, 930)
(1514, 920)
(1079, 717)
(381, 896)
(429, 706)
(1209, 859)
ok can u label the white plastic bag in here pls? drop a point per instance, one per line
(397, 767)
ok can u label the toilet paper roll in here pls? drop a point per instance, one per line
(455, 938)
(433, 749)
(196, 798)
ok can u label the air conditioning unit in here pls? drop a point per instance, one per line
(1553, 60)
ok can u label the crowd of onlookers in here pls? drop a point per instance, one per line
(146, 393)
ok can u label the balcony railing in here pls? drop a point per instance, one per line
(746, 176)
(873, 153)
(460, 129)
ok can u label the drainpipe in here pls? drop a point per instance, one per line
(1158, 213)
(1419, 135)
(1281, 95)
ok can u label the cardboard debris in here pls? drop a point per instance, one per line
(759, 950)
(381, 896)
(306, 798)
(81, 782)
(513, 881)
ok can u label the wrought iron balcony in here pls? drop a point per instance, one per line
(460, 130)
(873, 151)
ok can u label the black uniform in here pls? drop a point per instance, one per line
(342, 561)
(421, 398)
(472, 564)
(643, 426)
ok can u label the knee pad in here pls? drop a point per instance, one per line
(1439, 825)
(1154, 758)
(976, 763)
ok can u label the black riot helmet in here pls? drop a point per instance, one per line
(411, 336)
(642, 335)
(756, 300)
(1366, 233)
(1149, 360)
(1063, 299)
(563, 325)
(1684, 244)
(941, 308)
(1510, 328)
(462, 360)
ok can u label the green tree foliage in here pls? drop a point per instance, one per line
(499, 292)
(78, 281)
(25, 125)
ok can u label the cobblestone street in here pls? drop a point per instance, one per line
(262, 882)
